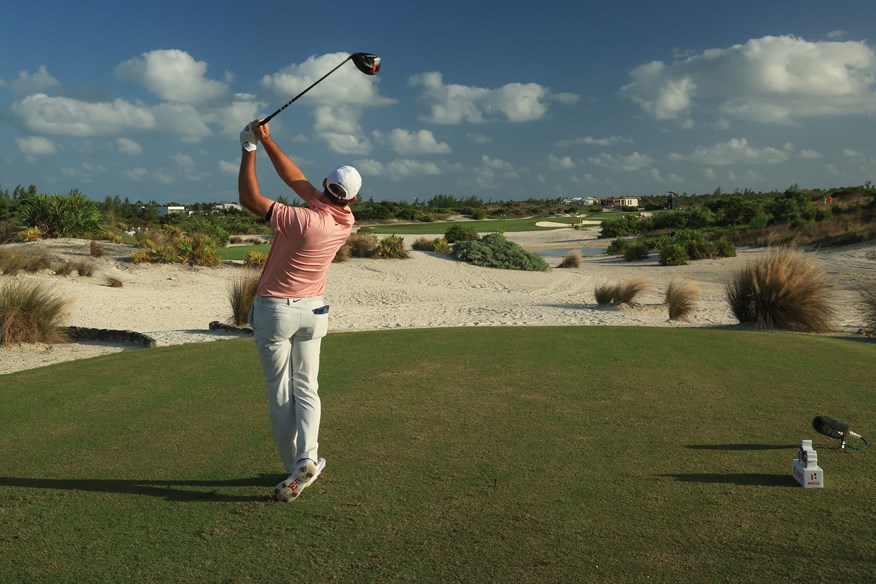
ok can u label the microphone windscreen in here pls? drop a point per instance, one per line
(830, 426)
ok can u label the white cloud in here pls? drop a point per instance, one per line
(454, 103)
(128, 146)
(769, 79)
(29, 83)
(591, 141)
(62, 116)
(809, 154)
(36, 146)
(849, 153)
(408, 143)
(398, 168)
(495, 163)
(734, 151)
(172, 75)
(183, 160)
(229, 168)
(480, 138)
(634, 161)
(560, 162)
(347, 143)
(347, 85)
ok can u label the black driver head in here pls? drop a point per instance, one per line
(367, 63)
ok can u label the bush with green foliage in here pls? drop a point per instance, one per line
(617, 246)
(629, 224)
(494, 251)
(673, 254)
(636, 250)
(70, 215)
(461, 232)
(392, 247)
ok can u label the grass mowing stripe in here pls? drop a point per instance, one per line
(454, 454)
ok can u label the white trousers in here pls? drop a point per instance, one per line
(288, 335)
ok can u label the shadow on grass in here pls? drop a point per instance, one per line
(168, 490)
(743, 479)
(743, 446)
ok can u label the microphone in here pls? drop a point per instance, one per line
(834, 429)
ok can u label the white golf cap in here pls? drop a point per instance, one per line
(348, 179)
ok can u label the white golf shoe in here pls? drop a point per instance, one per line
(303, 476)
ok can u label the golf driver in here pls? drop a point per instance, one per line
(367, 63)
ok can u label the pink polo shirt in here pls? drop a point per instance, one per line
(306, 243)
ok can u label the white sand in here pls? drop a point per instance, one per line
(175, 304)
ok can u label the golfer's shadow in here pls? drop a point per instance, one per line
(167, 489)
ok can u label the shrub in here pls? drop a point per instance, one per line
(30, 313)
(198, 249)
(725, 248)
(673, 254)
(71, 215)
(637, 250)
(362, 245)
(392, 247)
(459, 232)
(96, 249)
(494, 251)
(255, 259)
(113, 282)
(617, 246)
(681, 298)
(627, 290)
(438, 244)
(604, 294)
(11, 262)
(573, 260)
(30, 234)
(869, 296)
(342, 255)
(241, 293)
(81, 267)
(139, 256)
(112, 236)
(783, 290)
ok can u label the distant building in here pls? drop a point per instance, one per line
(227, 206)
(166, 210)
(622, 202)
(581, 201)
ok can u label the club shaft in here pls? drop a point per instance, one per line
(291, 101)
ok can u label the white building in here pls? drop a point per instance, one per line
(166, 210)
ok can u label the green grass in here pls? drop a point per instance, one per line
(238, 252)
(454, 455)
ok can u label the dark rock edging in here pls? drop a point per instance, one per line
(221, 326)
(80, 333)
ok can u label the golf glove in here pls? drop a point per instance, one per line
(248, 139)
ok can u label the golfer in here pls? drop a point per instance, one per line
(289, 315)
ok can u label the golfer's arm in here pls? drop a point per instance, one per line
(248, 191)
(289, 172)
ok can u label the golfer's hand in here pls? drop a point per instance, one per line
(262, 132)
(248, 138)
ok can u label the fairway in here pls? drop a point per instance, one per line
(454, 455)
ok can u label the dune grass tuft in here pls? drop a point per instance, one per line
(604, 294)
(30, 313)
(241, 293)
(784, 290)
(626, 290)
(573, 260)
(681, 298)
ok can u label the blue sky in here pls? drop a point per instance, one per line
(501, 100)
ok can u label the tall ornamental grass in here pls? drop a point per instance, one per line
(31, 313)
(241, 293)
(783, 290)
(680, 299)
